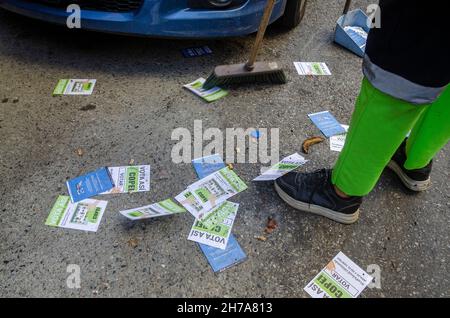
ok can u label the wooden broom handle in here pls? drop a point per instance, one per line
(348, 3)
(260, 36)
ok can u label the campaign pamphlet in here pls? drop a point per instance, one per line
(219, 214)
(341, 278)
(196, 51)
(312, 68)
(217, 188)
(327, 124)
(278, 170)
(190, 203)
(163, 208)
(218, 235)
(75, 87)
(206, 165)
(337, 142)
(209, 95)
(90, 184)
(128, 179)
(85, 215)
(221, 260)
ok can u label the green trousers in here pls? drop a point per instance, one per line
(378, 127)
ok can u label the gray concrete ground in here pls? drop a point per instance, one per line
(138, 102)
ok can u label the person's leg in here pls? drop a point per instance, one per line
(430, 134)
(378, 127)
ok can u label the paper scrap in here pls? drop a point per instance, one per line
(128, 179)
(196, 51)
(341, 278)
(163, 208)
(221, 260)
(75, 87)
(219, 214)
(190, 203)
(286, 165)
(84, 215)
(327, 124)
(337, 142)
(207, 165)
(90, 184)
(217, 236)
(209, 95)
(312, 68)
(217, 188)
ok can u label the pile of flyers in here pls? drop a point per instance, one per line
(79, 211)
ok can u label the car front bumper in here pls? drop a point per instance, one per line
(159, 18)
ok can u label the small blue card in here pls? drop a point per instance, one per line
(219, 259)
(90, 184)
(327, 124)
(196, 51)
(207, 165)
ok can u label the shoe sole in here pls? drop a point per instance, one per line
(411, 184)
(316, 209)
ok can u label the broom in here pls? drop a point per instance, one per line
(252, 71)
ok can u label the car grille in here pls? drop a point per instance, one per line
(97, 5)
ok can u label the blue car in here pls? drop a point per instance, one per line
(163, 18)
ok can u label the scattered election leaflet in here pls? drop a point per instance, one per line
(311, 68)
(209, 95)
(341, 278)
(190, 203)
(206, 165)
(218, 235)
(85, 215)
(217, 188)
(163, 208)
(90, 184)
(286, 165)
(196, 51)
(128, 179)
(221, 260)
(337, 142)
(219, 214)
(75, 87)
(327, 124)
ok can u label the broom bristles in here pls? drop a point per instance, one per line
(272, 77)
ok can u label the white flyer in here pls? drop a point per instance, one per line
(190, 203)
(129, 179)
(209, 95)
(337, 142)
(341, 278)
(163, 208)
(75, 87)
(218, 235)
(84, 215)
(286, 165)
(312, 68)
(217, 188)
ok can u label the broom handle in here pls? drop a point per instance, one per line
(260, 36)
(348, 3)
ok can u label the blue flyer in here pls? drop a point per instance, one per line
(207, 165)
(196, 51)
(219, 259)
(90, 184)
(327, 124)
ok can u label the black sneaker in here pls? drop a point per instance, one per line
(314, 193)
(415, 180)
